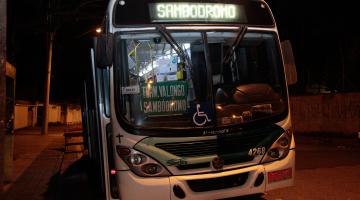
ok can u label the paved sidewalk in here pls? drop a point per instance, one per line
(37, 160)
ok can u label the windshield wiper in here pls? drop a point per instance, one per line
(236, 43)
(162, 30)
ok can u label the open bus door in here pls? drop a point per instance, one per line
(96, 126)
(92, 129)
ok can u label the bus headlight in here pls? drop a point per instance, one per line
(136, 159)
(151, 168)
(141, 164)
(280, 149)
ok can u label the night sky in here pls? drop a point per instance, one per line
(74, 22)
(326, 41)
(325, 38)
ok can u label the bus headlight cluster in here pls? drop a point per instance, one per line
(140, 163)
(280, 148)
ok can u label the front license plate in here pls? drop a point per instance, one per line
(280, 175)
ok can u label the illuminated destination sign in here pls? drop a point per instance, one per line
(196, 12)
(164, 98)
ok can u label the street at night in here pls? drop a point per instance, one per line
(325, 169)
(179, 100)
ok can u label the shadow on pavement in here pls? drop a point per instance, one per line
(73, 183)
(248, 197)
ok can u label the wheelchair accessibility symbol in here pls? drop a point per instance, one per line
(200, 118)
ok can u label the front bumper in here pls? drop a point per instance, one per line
(162, 188)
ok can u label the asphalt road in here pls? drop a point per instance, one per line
(326, 168)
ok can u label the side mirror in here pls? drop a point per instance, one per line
(289, 62)
(104, 50)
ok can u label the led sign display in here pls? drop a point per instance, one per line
(142, 12)
(196, 12)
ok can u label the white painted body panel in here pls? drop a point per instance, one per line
(132, 187)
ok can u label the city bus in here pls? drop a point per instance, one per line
(189, 100)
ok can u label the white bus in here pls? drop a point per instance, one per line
(189, 100)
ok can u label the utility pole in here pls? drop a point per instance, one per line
(51, 34)
(3, 30)
(47, 87)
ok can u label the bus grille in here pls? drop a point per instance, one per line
(203, 185)
(190, 149)
(221, 146)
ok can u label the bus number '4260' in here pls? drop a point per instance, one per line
(257, 151)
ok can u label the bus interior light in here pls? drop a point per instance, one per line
(122, 3)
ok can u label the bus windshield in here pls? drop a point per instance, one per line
(186, 79)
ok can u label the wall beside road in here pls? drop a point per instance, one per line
(54, 114)
(21, 122)
(335, 113)
(26, 114)
(73, 115)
